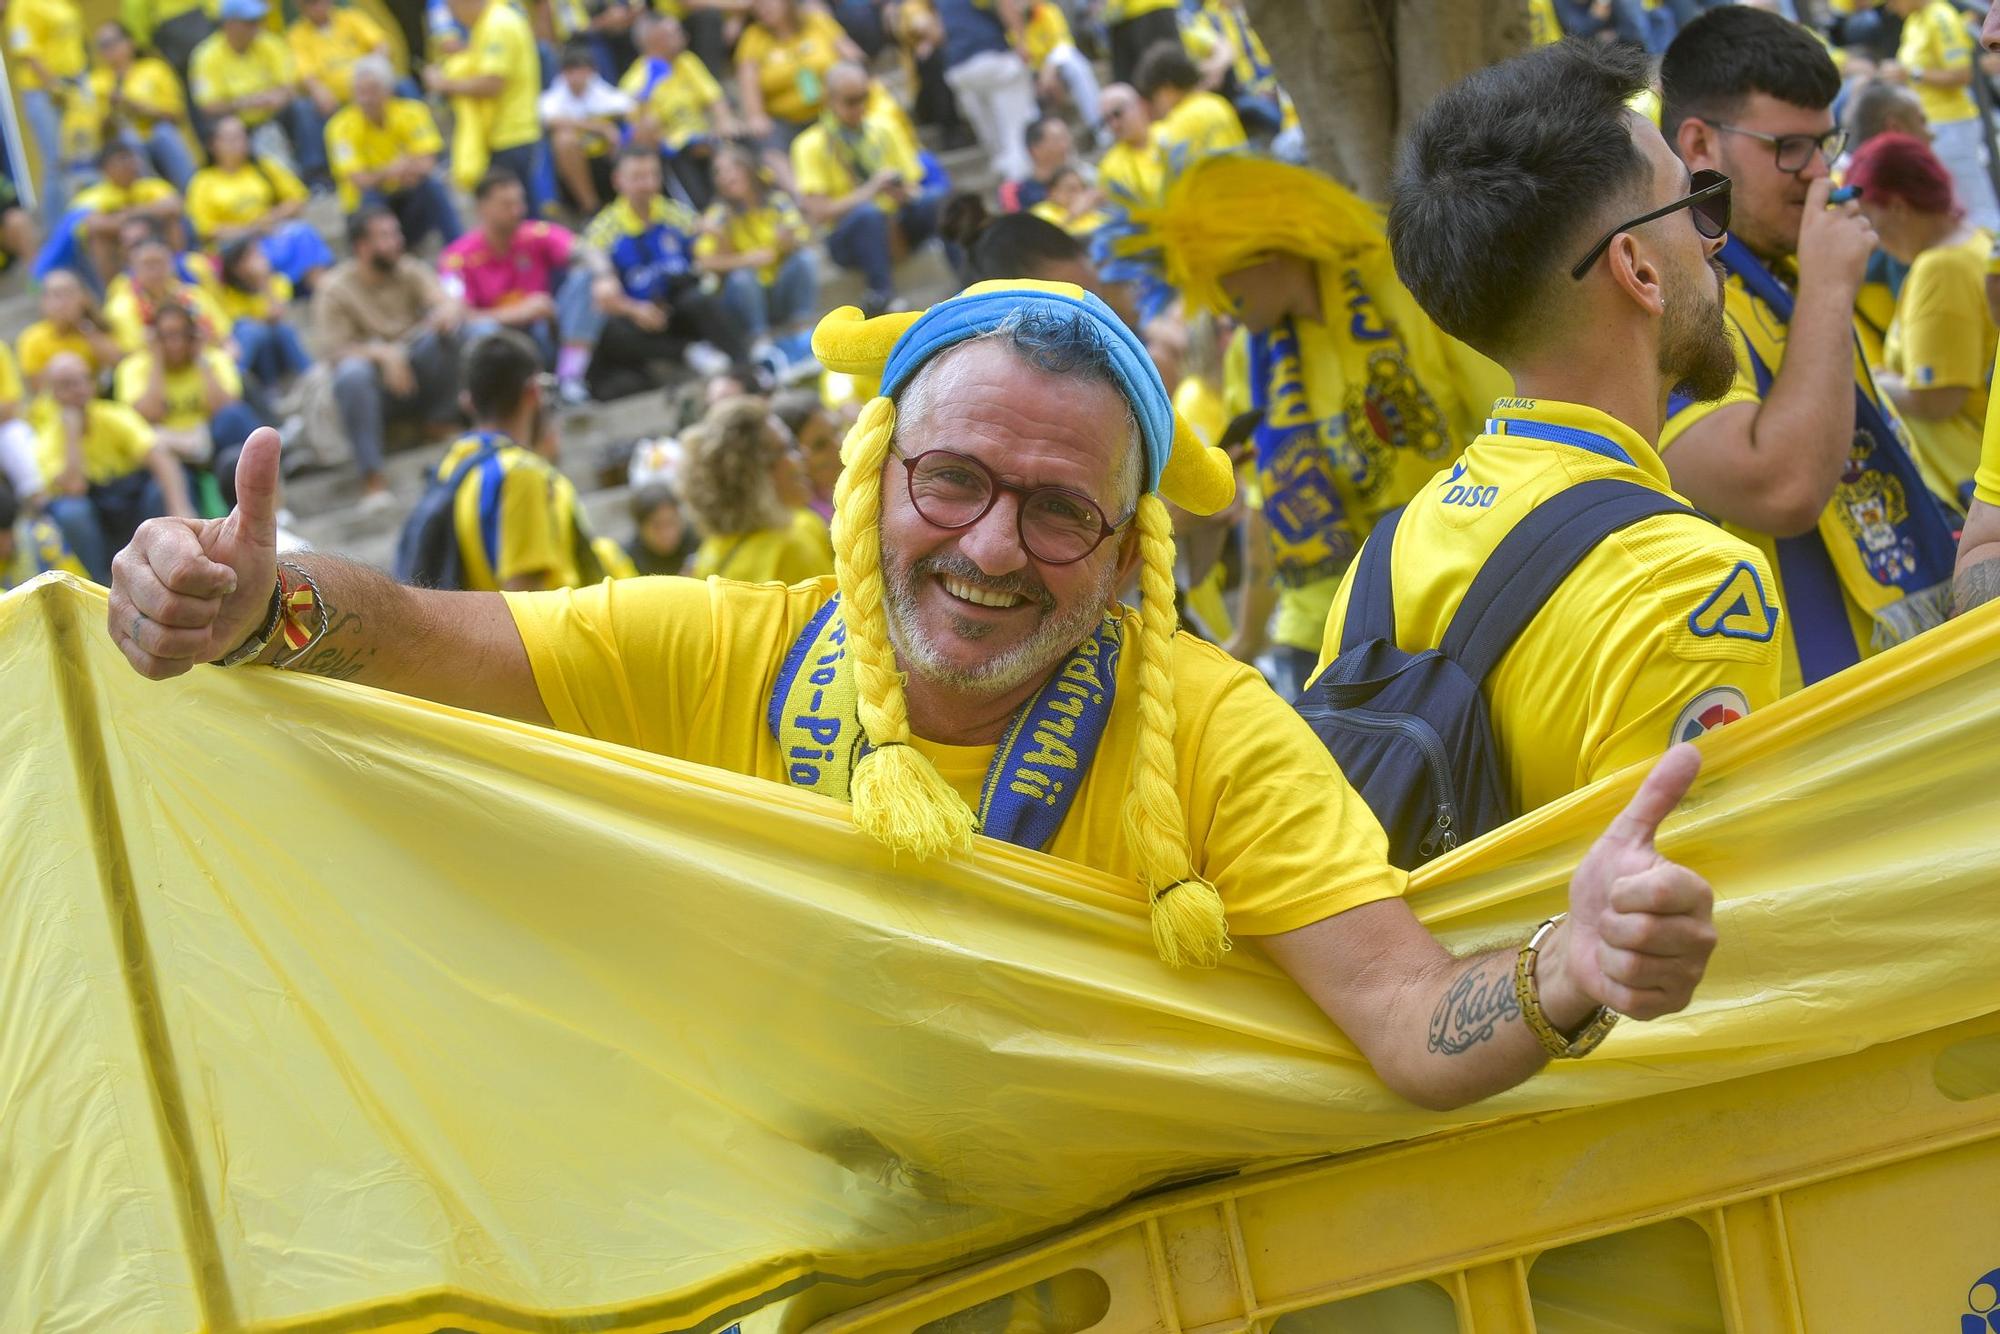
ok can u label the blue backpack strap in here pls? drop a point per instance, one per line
(1532, 561)
(1371, 605)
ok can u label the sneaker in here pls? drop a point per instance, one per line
(707, 360)
(572, 393)
(376, 502)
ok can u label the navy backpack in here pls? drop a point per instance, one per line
(1409, 730)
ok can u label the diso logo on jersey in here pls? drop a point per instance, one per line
(1984, 1299)
(1471, 497)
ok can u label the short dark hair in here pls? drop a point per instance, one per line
(115, 148)
(1038, 129)
(496, 178)
(363, 218)
(636, 153)
(1724, 56)
(1010, 245)
(1502, 177)
(1165, 65)
(498, 370)
(171, 310)
(578, 55)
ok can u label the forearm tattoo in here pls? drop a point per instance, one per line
(1974, 586)
(1478, 1002)
(341, 662)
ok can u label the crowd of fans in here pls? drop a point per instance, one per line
(632, 197)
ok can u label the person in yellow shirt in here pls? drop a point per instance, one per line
(245, 70)
(681, 109)
(257, 304)
(1234, 62)
(158, 278)
(496, 88)
(47, 63)
(31, 548)
(1935, 57)
(102, 473)
(1136, 27)
(239, 194)
(1131, 171)
(1804, 457)
(971, 654)
(1071, 205)
(326, 41)
(141, 100)
(1188, 124)
(1941, 342)
(782, 62)
(191, 394)
(859, 184)
(755, 239)
(1667, 626)
(518, 522)
(121, 194)
(1062, 73)
(1362, 398)
(71, 323)
(754, 524)
(384, 149)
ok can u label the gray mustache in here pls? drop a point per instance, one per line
(963, 569)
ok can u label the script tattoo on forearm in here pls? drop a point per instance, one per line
(1472, 1010)
(340, 663)
(1975, 586)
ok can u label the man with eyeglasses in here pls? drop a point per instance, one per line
(1803, 456)
(969, 668)
(1667, 627)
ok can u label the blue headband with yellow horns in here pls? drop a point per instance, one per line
(1178, 466)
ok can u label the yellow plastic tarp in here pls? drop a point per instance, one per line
(324, 1009)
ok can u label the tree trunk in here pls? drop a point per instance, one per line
(1360, 71)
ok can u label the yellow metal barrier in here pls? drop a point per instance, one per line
(1859, 1195)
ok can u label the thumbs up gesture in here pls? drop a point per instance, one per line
(1639, 931)
(188, 591)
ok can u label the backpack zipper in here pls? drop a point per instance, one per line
(1443, 835)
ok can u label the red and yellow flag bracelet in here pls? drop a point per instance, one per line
(299, 617)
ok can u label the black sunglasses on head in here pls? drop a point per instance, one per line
(1707, 202)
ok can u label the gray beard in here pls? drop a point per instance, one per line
(919, 653)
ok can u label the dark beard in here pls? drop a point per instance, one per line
(384, 264)
(1695, 351)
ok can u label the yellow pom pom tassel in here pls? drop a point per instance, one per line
(1190, 929)
(896, 795)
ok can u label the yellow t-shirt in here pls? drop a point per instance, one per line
(1380, 399)
(685, 668)
(41, 342)
(1986, 482)
(779, 220)
(1544, 27)
(328, 54)
(187, 398)
(680, 98)
(830, 165)
(1943, 337)
(790, 555)
(151, 82)
(791, 72)
(534, 531)
(12, 390)
(126, 313)
(239, 196)
(502, 43)
(269, 304)
(1122, 11)
(104, 197)
(116, 440)
(1132, 175)
(1935, 38)
(1200, 125)
(219, 73)
(1666, 628)
(1083, 225)
(355, 144)
(1854, 511)
(1045, 30)
(51, 31)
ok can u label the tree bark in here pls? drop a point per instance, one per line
(1361, 71)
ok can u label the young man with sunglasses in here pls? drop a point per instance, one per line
(1536, 217)
(1803, 456)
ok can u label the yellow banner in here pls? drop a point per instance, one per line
(325, 1009)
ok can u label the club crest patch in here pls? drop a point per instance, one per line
(1709, 710)
(1739, 609)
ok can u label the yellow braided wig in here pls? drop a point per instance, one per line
(898, 797)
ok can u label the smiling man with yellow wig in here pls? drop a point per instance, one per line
(970, 669)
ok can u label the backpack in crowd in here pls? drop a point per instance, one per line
(1409, 730)
(427, 553)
